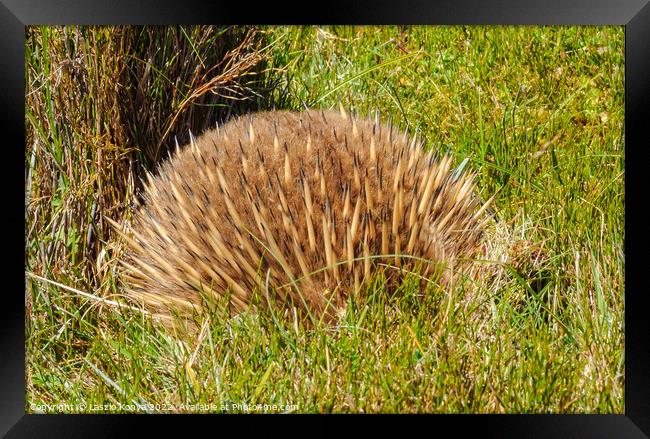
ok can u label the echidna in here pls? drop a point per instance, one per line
(309, 203)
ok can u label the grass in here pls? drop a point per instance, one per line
(537, 111)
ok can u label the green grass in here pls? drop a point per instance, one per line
(537, 111)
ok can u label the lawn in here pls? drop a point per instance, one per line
(537, 112)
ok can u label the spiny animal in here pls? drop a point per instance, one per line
(309, 203)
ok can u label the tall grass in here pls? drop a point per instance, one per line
(102, 105)
(538, 111)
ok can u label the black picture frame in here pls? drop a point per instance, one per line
(633, 14)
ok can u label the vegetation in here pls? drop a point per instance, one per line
(537, 111)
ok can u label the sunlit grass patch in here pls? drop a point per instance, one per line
(537, 111)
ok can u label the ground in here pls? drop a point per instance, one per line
(537, 112)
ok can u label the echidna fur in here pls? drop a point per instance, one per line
(308, 203)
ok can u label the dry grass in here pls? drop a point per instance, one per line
(102, 103)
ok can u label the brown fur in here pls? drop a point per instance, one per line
(235, 205)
